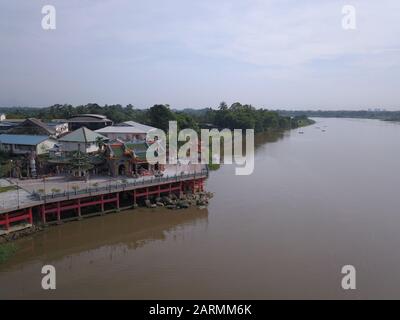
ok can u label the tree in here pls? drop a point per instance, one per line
(80, 163)
(160, 115)
(223, 106)
(100, 142)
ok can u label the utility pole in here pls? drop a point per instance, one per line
(18, 194)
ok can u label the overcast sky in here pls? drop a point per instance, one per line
(290, 54)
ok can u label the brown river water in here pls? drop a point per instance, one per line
(315, 202)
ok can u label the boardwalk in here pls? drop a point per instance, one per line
(100, 194)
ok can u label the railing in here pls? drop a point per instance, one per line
(122, 186)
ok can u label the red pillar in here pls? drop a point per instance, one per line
(117, 200)
(147, 193)
(159, 190)
(30, 215)
(7, 222)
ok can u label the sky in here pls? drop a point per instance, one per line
(286, 54)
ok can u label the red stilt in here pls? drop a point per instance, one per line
(159, 190)
(30, 218)
(147, 193)
(117, 200)
(7, 222)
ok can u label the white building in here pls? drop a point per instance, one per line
(127, 131)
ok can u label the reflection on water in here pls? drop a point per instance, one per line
(74, 246)
(315, 202)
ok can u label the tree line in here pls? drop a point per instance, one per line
(237, 116)
(361, 114)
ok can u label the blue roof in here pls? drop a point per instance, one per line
(24, 139)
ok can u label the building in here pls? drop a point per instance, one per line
(82, 139)
(137, 132)
(59, 126)
(6, 126)
(26, 144)
(2, 117)
(90, 121)
(137, 125)
(128, 158)
(33, 126)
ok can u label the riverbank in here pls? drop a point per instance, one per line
(183, 200)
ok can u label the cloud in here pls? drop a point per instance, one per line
(102, 48)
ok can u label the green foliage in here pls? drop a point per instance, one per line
(159, 116)
(185, 121)
(80, 161)
(362, 114)
(239, 116)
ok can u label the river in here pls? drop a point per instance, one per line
(316, 202)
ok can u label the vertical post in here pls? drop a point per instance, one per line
(159, 191)
(18, 193)
(134, 196)
(117, 200)
(7, 222)
(147, 193)
(102, 202)
(79, 208)
(30, 215)
(43, 213)
(58, 212)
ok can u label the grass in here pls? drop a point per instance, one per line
(7, 250)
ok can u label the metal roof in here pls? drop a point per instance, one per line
(22, 139)
(137, 125)
(115, 129)
(82, 134)
(89, 118)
